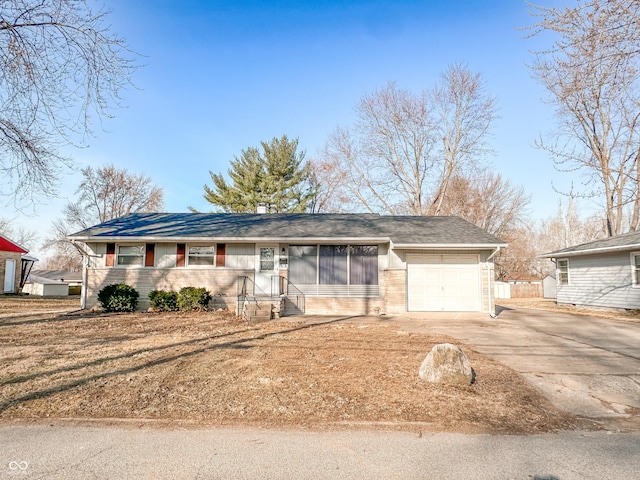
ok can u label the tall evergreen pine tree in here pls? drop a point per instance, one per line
(277, 176)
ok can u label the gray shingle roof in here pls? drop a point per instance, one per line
(628, 241)
(243, 226)
(58, 275)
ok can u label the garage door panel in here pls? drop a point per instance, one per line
(443, 283)
(426, 259)
(457, 260)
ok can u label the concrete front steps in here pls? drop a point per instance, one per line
(262, 309)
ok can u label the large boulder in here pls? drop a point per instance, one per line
(447, 363)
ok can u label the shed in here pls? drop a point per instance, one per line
(45, 287)
(72, 279)
(549, 286)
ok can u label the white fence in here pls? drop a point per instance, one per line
(501, 290)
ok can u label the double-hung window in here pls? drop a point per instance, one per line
(635, 266)
(129, 255)
(563, 271)
(202, 255)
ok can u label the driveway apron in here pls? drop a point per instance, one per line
(586, 365)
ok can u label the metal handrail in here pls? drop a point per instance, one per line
(290, 291)
(243, 295)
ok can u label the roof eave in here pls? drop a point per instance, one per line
(558, 254)
(444, 246)
(187, 239)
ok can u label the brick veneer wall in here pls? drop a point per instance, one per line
(222, 283)
(4, 256)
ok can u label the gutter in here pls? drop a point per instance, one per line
(492, 313)
(451, 246)
(560, 254)
(162, 239)
(303, 240)
(85, 266)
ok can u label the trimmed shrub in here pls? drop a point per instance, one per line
(118, 297)
(192, 298)
(163, 301)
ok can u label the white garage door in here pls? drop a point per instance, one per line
(449, 283)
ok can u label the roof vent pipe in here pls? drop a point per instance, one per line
(262, 208)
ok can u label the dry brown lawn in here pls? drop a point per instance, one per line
(551, 305)
(211, 369)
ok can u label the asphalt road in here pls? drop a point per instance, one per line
(73, 452)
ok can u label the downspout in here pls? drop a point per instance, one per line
(85, 278)
(492, 314)
(85, 274)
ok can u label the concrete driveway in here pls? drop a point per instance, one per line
(586, 365)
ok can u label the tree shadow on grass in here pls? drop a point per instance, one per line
(241, 343)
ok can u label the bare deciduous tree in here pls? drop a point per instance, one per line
(23, 236)
(564, 229)
(592, 73)
(104, 193)
(567, 228)
(404, 148)
(492, 203)
(488, 201)
(518, 261)
(464, 116)
(327, 177)
(60, 66)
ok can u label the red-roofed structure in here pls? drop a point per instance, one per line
(14, 266)
(7, 245)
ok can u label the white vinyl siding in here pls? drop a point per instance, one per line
(165, 255)
(370, 291)
(240, 255)
(604, 280)
(98, 254)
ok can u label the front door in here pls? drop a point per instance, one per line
(10, 276)
(266, 269)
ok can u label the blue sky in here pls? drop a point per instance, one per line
(220, 76)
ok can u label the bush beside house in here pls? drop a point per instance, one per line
(118, 297)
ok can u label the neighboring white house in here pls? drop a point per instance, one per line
(319, 263)
(45, 287)
(602, 273)
(53, 283)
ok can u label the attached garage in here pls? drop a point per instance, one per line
(443, 283)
